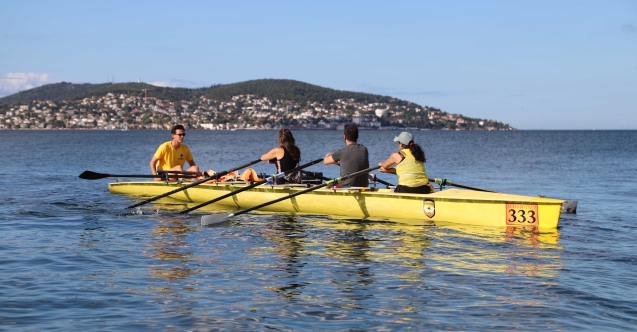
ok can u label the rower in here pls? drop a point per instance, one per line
(352, 158)
(286, 156)
(410, 166)
(173, 154)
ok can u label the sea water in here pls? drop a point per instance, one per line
(73, 258)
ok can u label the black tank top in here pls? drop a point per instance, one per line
(284, 164)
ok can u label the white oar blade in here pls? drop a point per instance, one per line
(213, 219)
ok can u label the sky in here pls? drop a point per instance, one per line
(531, 64)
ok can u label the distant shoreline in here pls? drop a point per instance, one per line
(309, 129)
(263, 129)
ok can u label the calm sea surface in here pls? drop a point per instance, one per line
(73, 258)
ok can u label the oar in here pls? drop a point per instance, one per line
(375, 178)
(372, 177)
(88, 175)
(271, 178)
(445, 182)
(208, 178)
(218, 218)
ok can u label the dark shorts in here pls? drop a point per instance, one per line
(413, 190)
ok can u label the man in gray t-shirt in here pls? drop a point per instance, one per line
(352, 158)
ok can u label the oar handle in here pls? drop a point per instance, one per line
(445, 182)
(178, 172)
(375, 178)
(314, 174)
(206, 179)
(272, 178)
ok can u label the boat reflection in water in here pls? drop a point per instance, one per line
(513, 250)
(349, 251)
(319, 264)
(340, 262)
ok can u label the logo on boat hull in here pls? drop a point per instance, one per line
(429, 207)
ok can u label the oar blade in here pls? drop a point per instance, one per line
(213, 219)
(88, 175)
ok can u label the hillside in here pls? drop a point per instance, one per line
(55, 92)
(276, 89)
(70, 91)
(256, 104)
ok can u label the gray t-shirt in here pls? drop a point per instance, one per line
(353, 158)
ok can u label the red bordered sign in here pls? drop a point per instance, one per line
(522, 214)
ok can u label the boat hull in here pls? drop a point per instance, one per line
(452, 205)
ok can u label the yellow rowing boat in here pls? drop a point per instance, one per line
(452, 205)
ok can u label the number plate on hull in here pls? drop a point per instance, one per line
(522, 214)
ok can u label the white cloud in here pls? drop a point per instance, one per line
(16, 82)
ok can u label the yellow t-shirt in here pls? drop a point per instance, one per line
(411, 173)
(169, 157)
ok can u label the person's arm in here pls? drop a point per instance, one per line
(328, 159)
(153, 167)
(276, 153)
(192, 166)
(391, 170)
(189, 158)
(153, 161)
(333, 158)
(386, 166)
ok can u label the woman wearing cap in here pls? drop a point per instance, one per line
(410, 166)
(286, 157)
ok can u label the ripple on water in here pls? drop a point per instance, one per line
(73, 257)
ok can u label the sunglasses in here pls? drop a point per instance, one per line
(182, 134)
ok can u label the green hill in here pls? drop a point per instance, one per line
(219, 107)
(275, 89)
(55, 92)
(290, 90)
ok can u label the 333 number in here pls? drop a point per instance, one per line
(522, 216)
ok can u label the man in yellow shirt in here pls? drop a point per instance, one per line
(172, 155)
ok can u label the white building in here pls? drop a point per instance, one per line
(380, 112)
